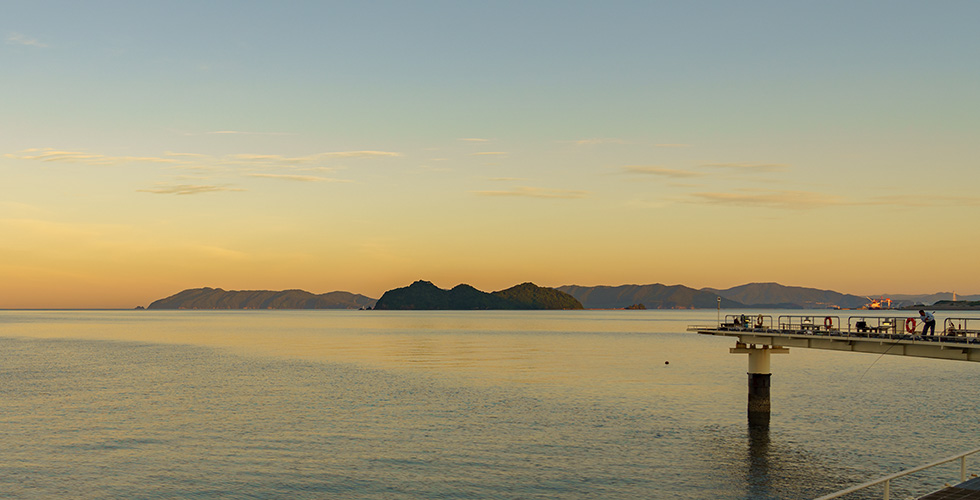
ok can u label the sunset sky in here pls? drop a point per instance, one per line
(149, 147)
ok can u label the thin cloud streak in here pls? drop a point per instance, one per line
(191, 159)
(533, 192)
(661, 171)
(49, 155)
(750, 167)
(805, 200)
(185, 155)
(297, 178)
(488, 153)
(19, 39)
(359, 154)
(588, 142)
(287, 161)
(473, 139)
(184, 189)
(794, 200)
(239, 132)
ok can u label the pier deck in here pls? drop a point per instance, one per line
(760, 336)
(882, 336)
(969, 490)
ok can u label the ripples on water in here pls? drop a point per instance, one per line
(343, 404)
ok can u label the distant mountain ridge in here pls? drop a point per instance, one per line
(530, 296)
(932, 298)
(216, 298)
(423, 295)
(781, 296)
(654, 296)
(758, 295)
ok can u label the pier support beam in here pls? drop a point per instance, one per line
(759, 379)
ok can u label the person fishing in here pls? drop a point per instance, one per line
(928, 322)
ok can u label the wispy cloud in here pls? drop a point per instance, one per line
(19, 39)
(193, 159)
(668, 145)
(429, 169)
(587, 142)
(534, 192)
(303, 160)
(488, 153)
(252, 157)
(317, 156)
(646, 204)
(188, 189)
(49, 155)
(358, 154)
(920, 200)
(749, 167)
(473, 139)
(506, 179)
(660, 171)
(805, 200)
(794, 200)
(228, 166)
(185, 155)
(240, 132)
(297, 178)
(971, 201)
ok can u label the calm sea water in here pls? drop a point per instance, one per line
(468, 405)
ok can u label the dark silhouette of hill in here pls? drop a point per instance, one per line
(654, 296)
(904, 300)
(532, 296)
(216, 298)
(954, 305)
(423, 295)
(781, 296)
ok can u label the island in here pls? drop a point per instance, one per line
(216, 298)
(423, 295)
(951, 305)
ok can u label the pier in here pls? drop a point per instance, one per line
(893, 335)
(760, 336)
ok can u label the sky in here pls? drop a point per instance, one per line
(150, 147)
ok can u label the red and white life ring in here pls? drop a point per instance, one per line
(910, 325)
(828, 322)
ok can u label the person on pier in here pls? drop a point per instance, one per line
(928, 322)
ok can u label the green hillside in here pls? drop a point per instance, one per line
(423, 295)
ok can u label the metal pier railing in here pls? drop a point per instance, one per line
(888, 479)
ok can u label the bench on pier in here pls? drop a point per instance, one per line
(884, 327)
(962, 332)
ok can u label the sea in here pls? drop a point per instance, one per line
(456, 405)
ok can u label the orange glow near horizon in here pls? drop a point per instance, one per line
(557, 153)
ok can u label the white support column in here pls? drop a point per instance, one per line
(759, 379)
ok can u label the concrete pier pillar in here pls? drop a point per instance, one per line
(759, 402)
(760, 377)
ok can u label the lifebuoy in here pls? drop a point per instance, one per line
(759, 321)
(910, 325)
(828, 322)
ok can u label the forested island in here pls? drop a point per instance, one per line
(216, 298)
(951, 305)
(423, 295)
